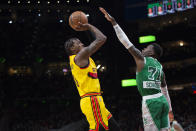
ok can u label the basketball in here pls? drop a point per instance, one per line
(75, 18)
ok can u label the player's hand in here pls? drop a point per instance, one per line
(107, 16)
(82, 27)
(171, 116)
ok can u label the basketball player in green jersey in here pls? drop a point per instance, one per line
(151, 82)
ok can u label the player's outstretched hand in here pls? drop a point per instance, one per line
(107, 15)
(83, 26)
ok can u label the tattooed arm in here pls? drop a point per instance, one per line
(82, 57)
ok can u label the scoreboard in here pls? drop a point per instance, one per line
(169, 6)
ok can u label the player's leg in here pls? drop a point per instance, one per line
(98, 109)
(149, 124)
(101, 128)
(165, 123)
(106, 119)
(88, 109)
(113, 125)
(152, 110)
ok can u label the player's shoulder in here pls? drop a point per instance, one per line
(71, 57)
(147, 59)
(153, 59)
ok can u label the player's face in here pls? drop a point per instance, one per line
(77, 46)
(148, 51)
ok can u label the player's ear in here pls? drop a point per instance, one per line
(151, 53)
(72, 49)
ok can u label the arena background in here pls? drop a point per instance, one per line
(37, 92)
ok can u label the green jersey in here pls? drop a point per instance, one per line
(149, 78)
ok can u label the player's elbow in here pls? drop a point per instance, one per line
(102, 39)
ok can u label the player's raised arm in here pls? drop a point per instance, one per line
(86, 52)
(139, 58)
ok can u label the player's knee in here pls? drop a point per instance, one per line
(113, 125)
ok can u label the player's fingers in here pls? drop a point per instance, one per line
(80, 24)
(77, 28)
(107, 15)
(83, 25)
(103, 10)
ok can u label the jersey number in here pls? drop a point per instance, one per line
(154, 72)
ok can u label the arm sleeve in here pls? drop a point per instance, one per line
(122, 36)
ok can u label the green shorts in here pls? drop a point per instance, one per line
(155, 114)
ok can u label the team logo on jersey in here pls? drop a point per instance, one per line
(92, 75)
